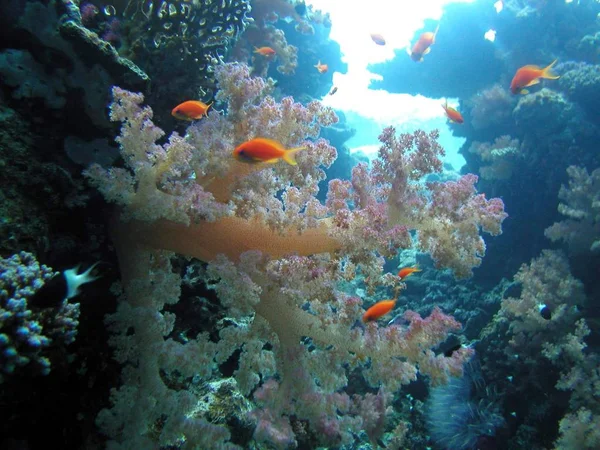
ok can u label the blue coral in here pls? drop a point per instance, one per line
(26, 334)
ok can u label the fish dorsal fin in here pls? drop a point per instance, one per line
(531, 66)
(435, 33)
(271, 142)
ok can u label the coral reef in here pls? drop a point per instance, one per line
(579, 430)
(463, 412)
(501, 156)
(59, 59)
(186, 34)
(546, 281)
(26, 333)
(546, 106)
(580, 204)
(491, 108)
(276, 255)
(542, 316)
(581, 82)
(299, 41)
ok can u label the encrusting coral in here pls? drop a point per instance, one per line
(276, 256)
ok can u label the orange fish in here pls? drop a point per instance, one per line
(322, 68)
(190, 110)
(453, 114)
(529, 75)
(422, 47)
(262, 150)
(378, 39)
(407, 271)
(264, 51)
(378, 310)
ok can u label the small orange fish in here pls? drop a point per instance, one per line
(530, 75)
(378, 39)
(264, 51)
(423, 45)
(407, 271)
(378, 310)
(262, 150)
(333, 91)
(453, 114)
(190, 110)
(322, 68)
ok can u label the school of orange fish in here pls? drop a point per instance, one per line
(264, 150)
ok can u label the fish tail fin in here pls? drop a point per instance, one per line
(317, 64)
(207, 107)
(435, 33)
(547, 72)
(256, 49)
(290, 155)
(75, 280)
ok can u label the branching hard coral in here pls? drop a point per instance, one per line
(580, 203)
(27, 333)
